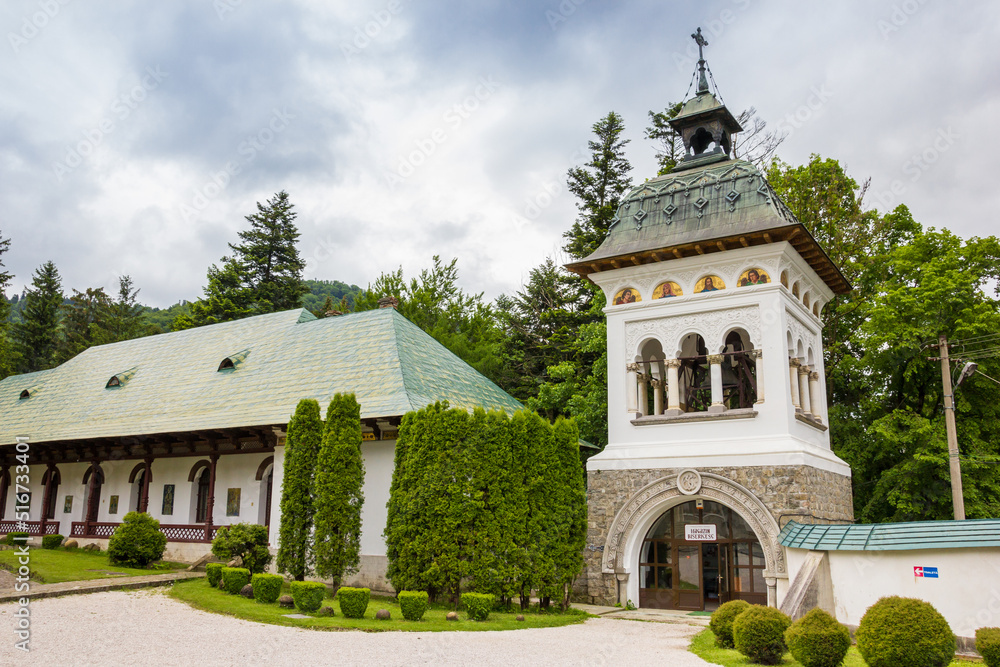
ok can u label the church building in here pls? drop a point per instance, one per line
(717, 407)
(190, 426)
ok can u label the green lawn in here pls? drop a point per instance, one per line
(197, 593)
(51, 566)
(704, 647)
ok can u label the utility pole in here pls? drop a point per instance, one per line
(954, 465)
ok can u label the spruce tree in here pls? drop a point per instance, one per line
(338, 497)
(84, 322)
(302, 444)
(263, 275)
(6, 353)
(36, 336)
(126, 317)
(599, 185)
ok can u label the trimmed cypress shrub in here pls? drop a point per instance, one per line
(905, 632)
(214, 572)
(988, 645)
(234, 579)
(479, 605)
(340, 476)
(137, 542)
(759, 634)
(52, 541)
(305, 433)
(308, 595)
(413, 604)
(246, 541)
(354, 601)
(266, 587)
(818, 640)
(722, 619)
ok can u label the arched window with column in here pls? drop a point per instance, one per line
(739, 370)
(695, 374)
(651, 378)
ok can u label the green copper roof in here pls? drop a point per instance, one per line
(892, 536)
(175, 385)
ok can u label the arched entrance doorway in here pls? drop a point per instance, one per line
(698, 555)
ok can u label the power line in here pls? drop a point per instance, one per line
(987, 376)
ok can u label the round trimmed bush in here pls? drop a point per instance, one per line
(988, 645)
(308, 595)
(818, 640)
(16, 537)
(354, 601)
(905, 632)
(759, 634)
(722, 619)
(137, 542)
(266, 587)
(214, 572)
(479, 605)
(52, 541)
(413, 604)
(234, 579)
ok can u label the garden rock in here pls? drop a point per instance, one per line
(71, 544)
(452, 616)
(92, 547)
(383, 615)
(236, 562)
(519, 617)
(326, 611)
(247, 591)
(286, 601)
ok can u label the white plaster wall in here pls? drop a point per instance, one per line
(967, 592)
(279, 475)
(774, 436)
(379, 458)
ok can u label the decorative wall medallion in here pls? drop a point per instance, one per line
(689, 482)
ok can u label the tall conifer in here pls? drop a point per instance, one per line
(338, 496)
(305, 432)
(36, 336)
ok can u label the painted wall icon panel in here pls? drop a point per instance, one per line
(753, 277)
(667, 289)
(709, 284)
(627, 295)
(233, 502)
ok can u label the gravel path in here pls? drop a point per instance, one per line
(149, 628)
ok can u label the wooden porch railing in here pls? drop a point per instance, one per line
(198, 532)
(31, 527)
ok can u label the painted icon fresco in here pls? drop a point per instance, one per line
(68, 505)
(627, 295)
(753, 277)
(233, 502)
(667, 289)
(709, 284)
(168, 500)
(113, 505)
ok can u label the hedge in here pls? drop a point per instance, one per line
(905, 632)
(308, 595)
(17, 535)
(137, 541)
(722, 619)
(413, 604)
(266, 587)
(214, 572)
(52, 541)
(818, 640)
(234, 579)
(479, 605)
(354, 601)
(759, 634)
(988, 645)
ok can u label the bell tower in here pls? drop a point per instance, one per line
(717, 409)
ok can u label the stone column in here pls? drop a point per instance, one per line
(91, 509)
(643, 379)
(814, 398)
(210, 505)
(804, 388)
(631, 387)
(715, 370)
(673, 387)
(144, 491)
(793, 373)
(657, 396)
(772, 591)
(622, 576)
(758, 358)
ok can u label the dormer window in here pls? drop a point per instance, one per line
(25, 394)
(233, 361)
(119, 379)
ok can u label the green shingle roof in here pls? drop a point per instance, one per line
(387, 361)
(892, 536)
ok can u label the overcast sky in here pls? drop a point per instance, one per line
(134, 136)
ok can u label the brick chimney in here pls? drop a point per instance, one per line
(388, 302)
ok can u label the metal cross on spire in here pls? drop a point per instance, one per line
(700, 40)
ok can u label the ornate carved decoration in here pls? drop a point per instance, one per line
(715, 358)
(711, 326)
(689, 482)
(801, 331)
(655, 498)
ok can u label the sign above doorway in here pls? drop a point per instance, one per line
(700, 532)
